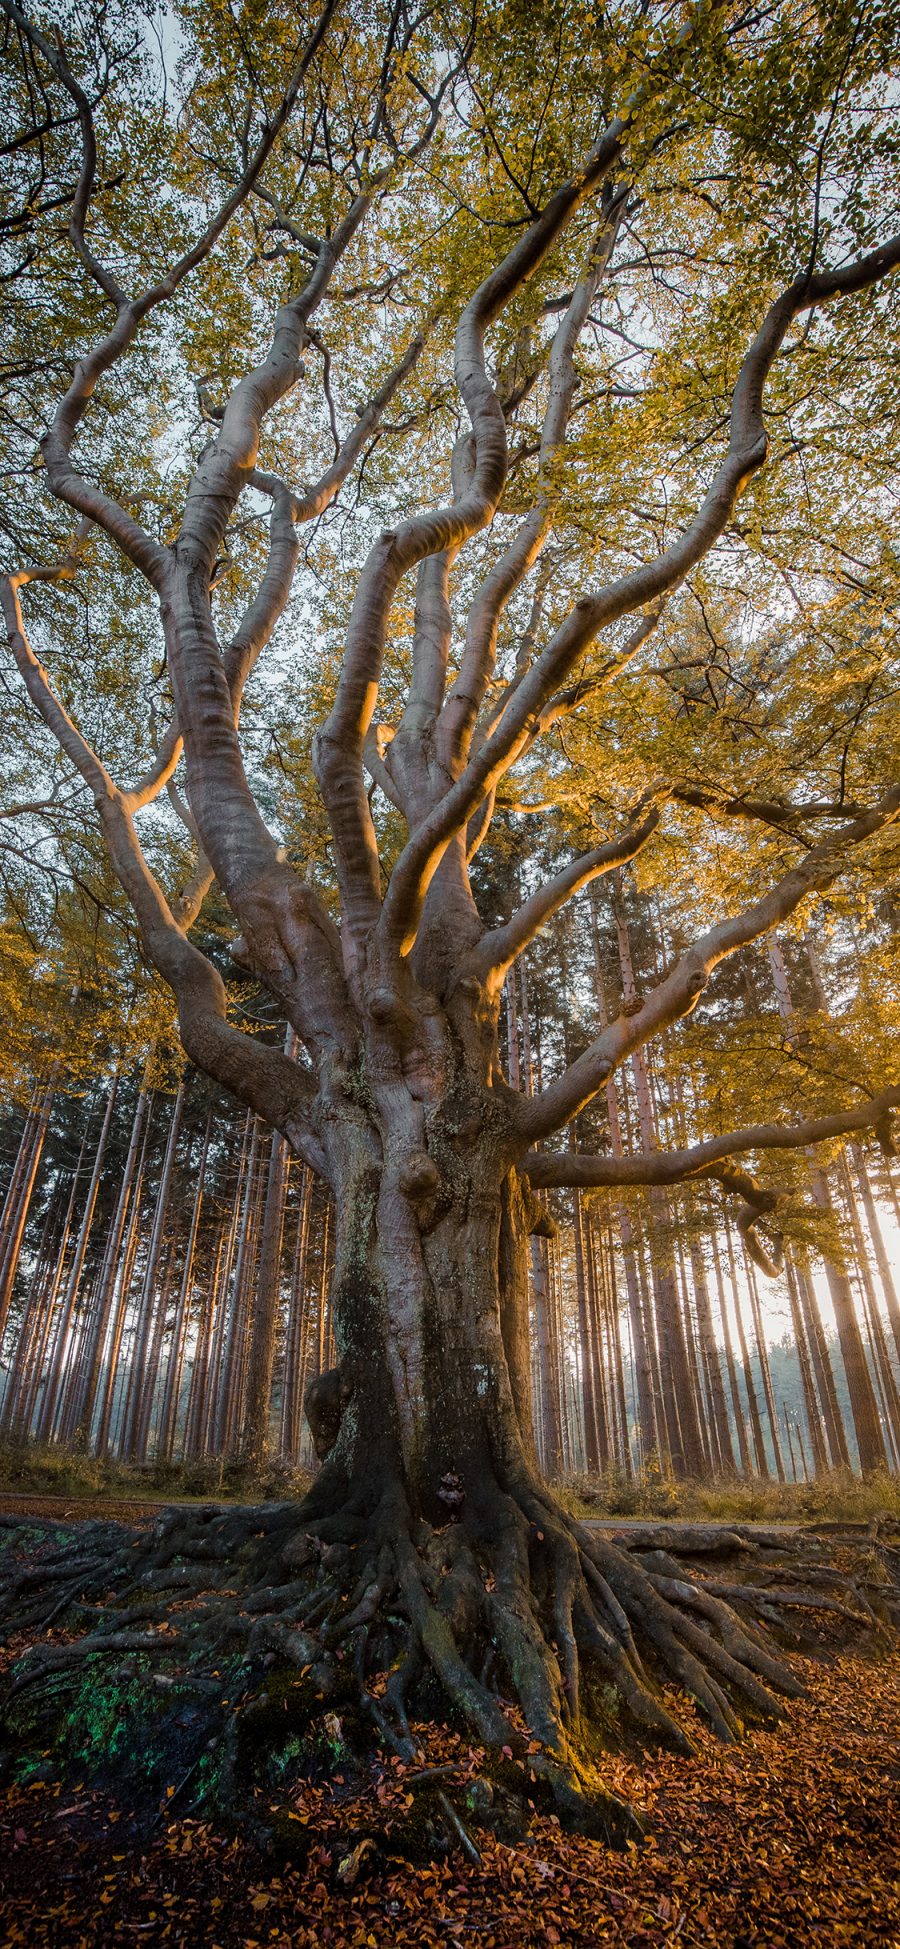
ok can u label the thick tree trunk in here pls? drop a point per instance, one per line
(429, 1549)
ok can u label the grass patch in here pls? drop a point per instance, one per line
(51, 1469)
(839, 1496)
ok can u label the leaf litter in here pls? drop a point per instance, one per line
(789, 1840)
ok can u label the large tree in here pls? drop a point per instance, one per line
(492, 309)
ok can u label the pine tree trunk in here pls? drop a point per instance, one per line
(596, 1446)
(875, 1233)
(18, 1201)
(887, 1386)
(683, 1430)
(254, 1437)
(172, 1391)
(228, 1367)
(111, 1270)
(863, 1406)
(737, 1406)
(137, 1406)
(814, 1417)
(29, 1333)
(120, 1305)
(710, 1353)
(762, 1460)
(763, 1358)
(57, 1324)
(297, 1338)
(87, 1220)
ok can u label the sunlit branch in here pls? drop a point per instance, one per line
(678, 993)
(745, 455)
(771, 812)
(580, 1170)
(259, 1075)
(64, 479)
(460, 711)
(289, 510)
(500, 947)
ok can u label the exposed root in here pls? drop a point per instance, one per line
(546, 1638)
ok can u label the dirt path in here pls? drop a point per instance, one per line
(128, 1509)
(78, 1508)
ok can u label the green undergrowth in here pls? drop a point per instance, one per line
(55, 1470)
(269, 1763)
(839, 1496)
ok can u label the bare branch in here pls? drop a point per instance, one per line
(462, 706)
(340, 743)
(746, 454)
(261, 1076)
(56, 60)
(498, 948)
(679, 991)
(578, 1169)
(64, 479)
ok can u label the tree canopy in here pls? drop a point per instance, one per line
(655, 613)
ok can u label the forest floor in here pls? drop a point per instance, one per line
(31, 1472)
(791, 1839)
(34, 1476)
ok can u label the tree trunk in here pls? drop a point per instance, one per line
(882, 1261)
(428, 1526)
(169, 1410)
(881, 1360)
(120, 1308)
(19, 1195)
(254, 1436)
(710, 1353)
(814, 1419)
(763, 1358)
(737, 1406)
(863, 1405)
(228, 1364)
(684, 1439)
(137, 1406)
(65, 1348)
(762, 1461)
(111, 1269)
(831, 1407)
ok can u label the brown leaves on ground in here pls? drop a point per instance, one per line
(790, 1840)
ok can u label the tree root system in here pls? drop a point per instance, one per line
(214, 1655)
